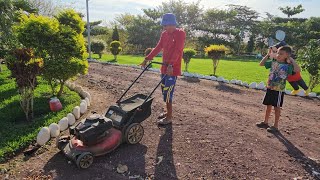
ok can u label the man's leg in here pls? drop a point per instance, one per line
(167, 97)
(169, 110)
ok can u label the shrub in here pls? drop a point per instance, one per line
(187, 55)
(115, 48)
(215, 52)
(59, 41)
(310, 58)
(24, 68)
(97, 47)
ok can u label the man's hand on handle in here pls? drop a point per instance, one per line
(144, 64)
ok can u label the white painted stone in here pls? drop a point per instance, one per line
(226, 81)
(54, 130)
(213, 78)
(43, 136)
(71, 119)
(83, 107)
(301, 93)
(245, 84)
(63, 124)
(207, 77)
(238, 82)
(83, 94)
(312, 94)
(87, 101)
(253, 85)
(233, 81)
(72, 86)
(78, 89)
(220, 79)
(288, 92)
(76, 112)
(261, 86)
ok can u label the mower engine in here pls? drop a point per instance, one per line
(91, 130)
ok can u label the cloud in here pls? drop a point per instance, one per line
(109, 9)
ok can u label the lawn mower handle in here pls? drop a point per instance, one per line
(147, 67)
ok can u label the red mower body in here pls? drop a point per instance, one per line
(111, 141)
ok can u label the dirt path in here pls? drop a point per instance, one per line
(213, 135)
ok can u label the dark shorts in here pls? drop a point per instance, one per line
(274, 98)
(167, 86)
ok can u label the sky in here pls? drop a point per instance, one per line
(107, 10)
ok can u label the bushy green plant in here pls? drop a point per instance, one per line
(215, 52)
(115, 48)
(59, 41)
(187, 55)
(97, 47)
(310, 59)
(25, 67)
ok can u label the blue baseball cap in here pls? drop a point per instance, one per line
(280, 44)
(169, 19)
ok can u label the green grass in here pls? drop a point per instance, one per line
(245, 70)
(15, 132)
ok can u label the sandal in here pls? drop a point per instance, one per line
(272, 129)
(162, 115)
(164, 121)
(262, 125)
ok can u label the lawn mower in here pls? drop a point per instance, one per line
(97, 134)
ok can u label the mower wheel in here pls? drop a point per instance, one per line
(134, 133)
(84, 160)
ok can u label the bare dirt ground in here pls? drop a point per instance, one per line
(213, 135)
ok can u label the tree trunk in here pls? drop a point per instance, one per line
(100, 56)
(186, 68)
(115, 57)
(215, 65)
(61, 89)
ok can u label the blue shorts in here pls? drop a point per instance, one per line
(167, 86)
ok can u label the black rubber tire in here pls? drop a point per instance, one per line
(84, 160)
(134, 133)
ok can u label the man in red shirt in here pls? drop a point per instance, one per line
(171, 43)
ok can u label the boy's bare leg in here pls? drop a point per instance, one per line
(277, 116)
(268, 112)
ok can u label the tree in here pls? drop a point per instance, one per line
(188, 14)
(45, 7)
(25, 67)
(10, 11)
(310, 58)
(291, 11)
(143, 32)
(216, 28)
(115, 48)
(59, 41)
(187, 55)
(250, 45)
(115, 34)
(97, 47)
(95, 29)
(215, 52)
(244, 21)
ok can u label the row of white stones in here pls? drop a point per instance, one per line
(54, 129)
(253, 85)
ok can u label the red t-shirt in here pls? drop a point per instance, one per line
(294, 77)
(171, 45)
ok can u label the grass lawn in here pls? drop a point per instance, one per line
(15, 132)
(245, 70)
